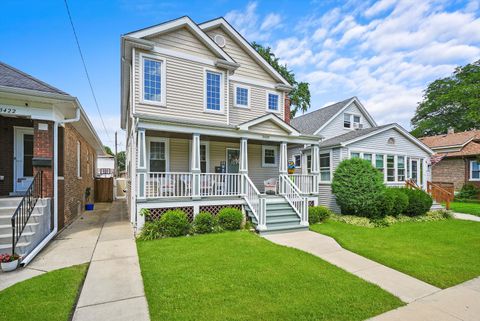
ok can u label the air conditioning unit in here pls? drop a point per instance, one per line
(357, 126)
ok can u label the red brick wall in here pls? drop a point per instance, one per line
(43, 147)
(287, 109)
(451, 170)
(74, 192)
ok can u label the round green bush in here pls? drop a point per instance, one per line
(400, 201)
(203, 223)
(385, 204)
(174, 223)
(230, 219)
(357, 186)
(419, 202)
(318, 214)
(469, 191)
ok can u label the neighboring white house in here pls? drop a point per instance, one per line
(348, 130)
(105, 166)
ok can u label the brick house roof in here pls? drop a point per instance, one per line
(468, 143)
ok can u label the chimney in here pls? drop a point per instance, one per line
(450, 130)
(287, 109)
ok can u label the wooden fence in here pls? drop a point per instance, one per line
(104, 189)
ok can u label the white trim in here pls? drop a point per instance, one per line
(179, 203)
(270, 92)
(163, 79)
(471, 171)
(275, 153)
(222, 91)
(252, 82)
(253, 53)
(183, 55)
(270, 116)
(16, 131)
(249, 95)
(165, 140)
(179, 23)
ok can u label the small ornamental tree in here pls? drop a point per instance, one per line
(357, 186)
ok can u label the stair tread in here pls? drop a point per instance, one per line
(284, 220)
(23, 234)
(28, 224)
(19, 244)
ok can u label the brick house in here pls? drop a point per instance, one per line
(49, 150)
(457, 158)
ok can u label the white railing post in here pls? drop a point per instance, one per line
(315, 168)
(141, 164)
(195, 166)
(243, 168)
(262, 215)
(304, 220)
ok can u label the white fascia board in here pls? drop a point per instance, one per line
(234, 34)
(179, 23)
(271, 117)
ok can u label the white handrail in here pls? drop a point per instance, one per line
(220, 184)
(160, 185)
(256, 203)
(304, 182)
(292, 194)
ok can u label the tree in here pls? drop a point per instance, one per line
(121, 161)
(450, 102)
(108, 150)
(300, 94)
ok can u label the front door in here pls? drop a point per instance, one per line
(23, 155)
(233, 160)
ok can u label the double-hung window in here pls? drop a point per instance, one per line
(242, 97)
(379, 163)
(213, 91)
(367, 157)
(158, 157)
(153, 80)
(474, 170)
(390, 168)
(325, 167)
(269, 156)
(346, 121)
(400, 168)
(354, 155)
(273, 102)
(297, 160)
(351, 121)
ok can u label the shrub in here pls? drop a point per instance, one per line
(230, 219)
(151, 231)
(353, 220)
(174, 223)
(357, 186)
(419, 202)
(385, 203)
(203, 223)
(469, 191)
(318, 214)
(400, 201)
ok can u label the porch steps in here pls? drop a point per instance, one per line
(281, 217)
(436, 206)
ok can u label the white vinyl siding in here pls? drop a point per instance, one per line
(336, 126)
(268, 128)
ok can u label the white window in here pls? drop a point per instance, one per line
(390, 168)
(346, 121)
(213, 91)
(474, 170)
(379, 163)
(351, 121)
(269, 156)
(354, 155)
(157, 151)
(242, 96)
(325, 167)
(153, 84)
(79, 160)
(367, 157)
(297, 160)
(273, 102)
(400, 168)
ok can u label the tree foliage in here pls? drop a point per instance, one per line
(108, 150)
(300, 94)
(121, 161)
(450, 102)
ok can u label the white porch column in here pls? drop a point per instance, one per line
(243, 156)
(304, 163)
(195, 166)
(141, 163)
(424, 173)
(283, 168)
(315, 167)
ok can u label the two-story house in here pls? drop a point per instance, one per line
(348, 130)
(207, 126)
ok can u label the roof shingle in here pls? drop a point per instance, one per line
(459, 138)
(334, 141)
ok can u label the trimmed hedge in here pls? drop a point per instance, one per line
(151, 231)
(392, 202)
(419, 202)
(358, 186)
(469, 191)
(230, 219)
(318, 214)
(174, 223)
(203, 223)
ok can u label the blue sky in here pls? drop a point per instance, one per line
(385, 52)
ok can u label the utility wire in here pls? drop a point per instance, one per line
(86, 71)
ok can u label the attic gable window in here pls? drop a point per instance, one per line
(153, 83)
(351, 121)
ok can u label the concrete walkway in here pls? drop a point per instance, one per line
(113, 288)
(466, 217)
(461, 302)
(403, 286)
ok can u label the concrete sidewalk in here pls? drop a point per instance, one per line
(113, 288)
(405, 287)
(466, 217)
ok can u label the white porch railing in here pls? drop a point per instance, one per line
(294, 197)
(213, 184)
(159, 185)
(256, 203)
(305, 183)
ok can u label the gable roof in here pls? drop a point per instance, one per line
(14, 78)
(227, 27)
(356, 135)
(182, 22)
(451, 140)
(269, 117)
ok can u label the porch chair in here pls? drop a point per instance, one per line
(270, 186)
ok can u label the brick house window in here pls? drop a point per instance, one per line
(79, 161)
(474, 170)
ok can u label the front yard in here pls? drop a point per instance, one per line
(466, 208)
(442, 253)
(240, 276)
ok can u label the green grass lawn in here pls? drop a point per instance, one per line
(240, 276)
(467, 208)
(49, 296)
(442, 253)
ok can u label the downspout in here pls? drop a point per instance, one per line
(53, 233)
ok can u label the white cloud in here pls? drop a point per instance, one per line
(379, 7)
(272, 21)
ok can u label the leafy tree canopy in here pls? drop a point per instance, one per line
(108, 150)
(121, 161)
(300, 94)
(450, 102)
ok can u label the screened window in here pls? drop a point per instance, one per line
(325, 167)
(214, 81)
(401, 168)
(297, 159)
(475, 170)
(390, 168)
(356, 119)
(241, 99)
(355, 155)
(379, 163)
(269, 156)
(273, 102)
(152, 80)
(158, 162)
(346, 121)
